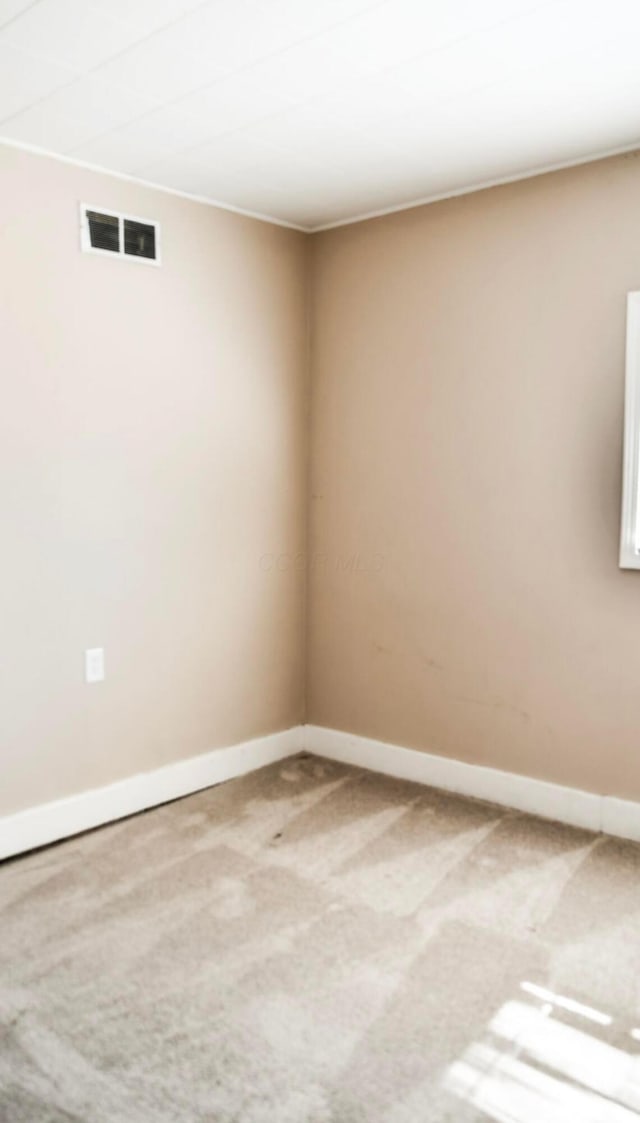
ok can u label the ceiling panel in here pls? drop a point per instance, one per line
(71, 32)
(149, 137)
(521, 45)
(222, 183)
(218, 39)
(11, 8)
(124, 150)
(237, 151)
(242, 99)
(156, 136)
(42, 126)
(75, 114)
(251, 30)
(146, 16)
(314, 132)
(25, 79)
(98, 105)
(166, 66)
(316, 112)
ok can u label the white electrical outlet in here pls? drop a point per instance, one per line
(94, 664)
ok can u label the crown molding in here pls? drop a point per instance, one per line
(480, 185)
(352, 220)
(205, 199)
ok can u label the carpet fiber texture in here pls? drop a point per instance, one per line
(317, 944)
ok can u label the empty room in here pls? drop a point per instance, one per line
(320, 555)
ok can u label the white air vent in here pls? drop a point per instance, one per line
(119, 235)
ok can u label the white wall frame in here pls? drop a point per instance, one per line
(85, 236)
(630, 529)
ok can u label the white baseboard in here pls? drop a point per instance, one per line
(50, 822)
(537, 797)
(620, 817)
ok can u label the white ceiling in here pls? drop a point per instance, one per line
(314, 112)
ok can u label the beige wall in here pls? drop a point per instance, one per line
(152, 450)
(468, 366)
(464, 594)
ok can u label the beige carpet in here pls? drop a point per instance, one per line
(317, 944)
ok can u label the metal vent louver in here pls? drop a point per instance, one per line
(119, 235)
